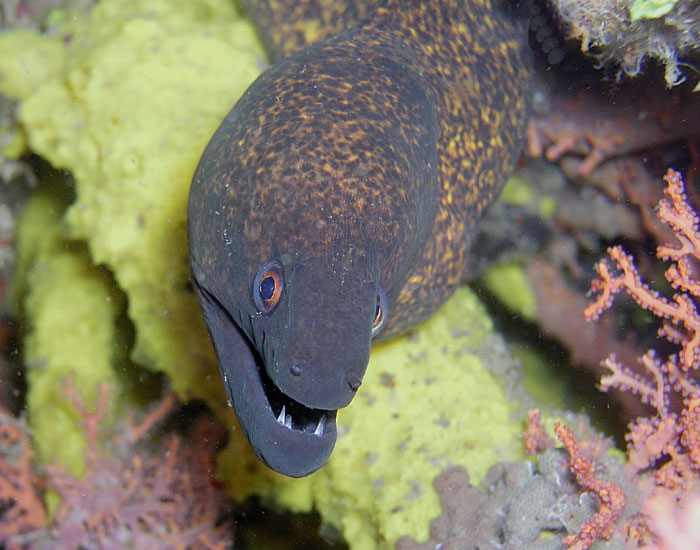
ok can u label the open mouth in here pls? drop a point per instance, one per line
(287, 436)
(290, 413)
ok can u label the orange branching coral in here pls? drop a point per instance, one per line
(663, 449)
(21, 509)
(612, 498)
(535, 436)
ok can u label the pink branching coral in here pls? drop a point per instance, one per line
(663, 449)
(673, 529)
(165, 498)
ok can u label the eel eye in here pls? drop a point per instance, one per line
(268, 286)
(380, 313)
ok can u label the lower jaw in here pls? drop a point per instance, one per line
(295, 451)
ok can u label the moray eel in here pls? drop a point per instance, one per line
(335, 204)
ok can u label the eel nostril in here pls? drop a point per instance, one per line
(296, 369)
(353, 380)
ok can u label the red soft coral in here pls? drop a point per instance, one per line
(133, 496)
(611, 496)
(663, 449)
(21, 509)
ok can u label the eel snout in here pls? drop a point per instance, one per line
(317, 346)
(290, 438)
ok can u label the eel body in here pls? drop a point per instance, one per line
(335, 203)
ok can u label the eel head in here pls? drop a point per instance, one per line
(306, 206)
(283, 375)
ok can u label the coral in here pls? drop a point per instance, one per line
(611, 195)
(626, 121)
(551, 246)
(625, 32)
(133, 497)
(21, 509)
(663, 449)
(520, 506)
(536, 438)
(611, 496)
(558, 303)
(675, 527)
(681, 310)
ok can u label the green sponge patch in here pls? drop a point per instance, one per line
(142, 87)
(650, 9)
(509, 283)
(28, 60)
(125, 96)
(72, 308)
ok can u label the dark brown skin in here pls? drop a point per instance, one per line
(345, 186)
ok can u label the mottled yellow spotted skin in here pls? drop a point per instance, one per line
(359, 166)
(473, 55)
(477, 62)
(287, 26)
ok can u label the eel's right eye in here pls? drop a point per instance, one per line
(380, 314)
(268, 286)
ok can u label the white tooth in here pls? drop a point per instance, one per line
(280, 418)
(319, 428)
(288, 421)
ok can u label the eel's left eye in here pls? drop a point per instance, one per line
(268, 286)
(380, 314)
